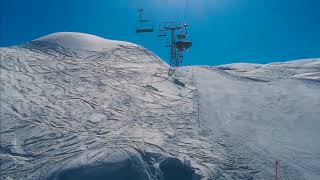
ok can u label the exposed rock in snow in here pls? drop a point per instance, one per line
(76, 106)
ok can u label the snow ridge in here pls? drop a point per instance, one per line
(81, 41)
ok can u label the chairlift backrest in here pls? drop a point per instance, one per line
(182, 36)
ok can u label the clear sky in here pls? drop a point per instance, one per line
(223, 31)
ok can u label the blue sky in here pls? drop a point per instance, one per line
(223, 31)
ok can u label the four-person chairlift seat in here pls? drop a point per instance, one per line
(142, 29)
(162, 32)
(184, 45)
(162, 35)
(145, 30)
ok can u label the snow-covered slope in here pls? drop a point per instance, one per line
(77, 106)
(303, 69)
(262, 121)
(69, 111)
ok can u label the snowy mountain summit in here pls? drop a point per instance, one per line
(80, 41)
(75, 106)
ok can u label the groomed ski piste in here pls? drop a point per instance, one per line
(75, 106)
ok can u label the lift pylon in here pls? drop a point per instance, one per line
(179, 43)
(177, 36)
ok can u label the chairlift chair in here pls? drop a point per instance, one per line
(143, 24)
(162, 35)
(162, 32)
(184, 45)
(145, 30)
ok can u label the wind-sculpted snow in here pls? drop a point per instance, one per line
(304, 69)
(64, 110)
(263, 113)
(76, 106)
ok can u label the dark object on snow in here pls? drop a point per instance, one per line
(173, 169)
(179, 83)
(151, 87)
